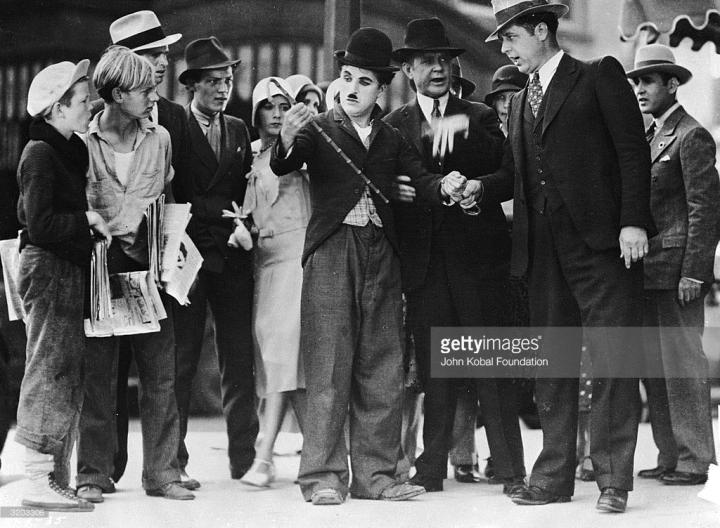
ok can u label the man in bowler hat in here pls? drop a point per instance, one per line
(213, 176)
(684, 197)
(454, 265)
(351, 313)
(579, 165)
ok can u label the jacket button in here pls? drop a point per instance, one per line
(356, 191)
(542, 182)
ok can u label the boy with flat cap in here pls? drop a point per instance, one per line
(684, 197)
(351, 314)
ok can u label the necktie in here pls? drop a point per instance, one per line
(535, 93)
(435, 115)
(650, 134)
(213, 135)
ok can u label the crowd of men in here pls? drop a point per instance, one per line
(614, 226)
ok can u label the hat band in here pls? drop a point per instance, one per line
(361, 62)
(142, 38)
(505, 15)
(653, 62)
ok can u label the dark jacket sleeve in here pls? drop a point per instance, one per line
(427, 184)
(37, 182)
(488, 137)
(702, 192)
(302, 150)
(624, 122)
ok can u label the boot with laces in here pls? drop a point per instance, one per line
(43, 492)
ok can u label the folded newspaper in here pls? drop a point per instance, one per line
(10, 256)
(129, 303)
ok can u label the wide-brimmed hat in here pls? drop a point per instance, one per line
(506, 78)
(139, 31)
(264, 90)
(506, 11)
(658, 58)
(466, 85)
(205, 54)
(425, 34)
(368, 48)
(51, 83)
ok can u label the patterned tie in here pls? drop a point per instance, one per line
(650, 134)
(435, 115)
(535, 93)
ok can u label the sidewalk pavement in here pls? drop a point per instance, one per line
(222, 502)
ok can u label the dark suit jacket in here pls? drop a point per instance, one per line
(172, 117)
(475, 247)
(211, 185)
(335, 189)
(685, 203)
(595, 150)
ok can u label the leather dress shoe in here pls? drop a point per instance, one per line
(683, 478)
(401, 492)
(513, 486)
(171, 490)
(654, 473)
(327, 497)
(429, 483)
(188, 482)
(534, 496)
(489, 470)
(612, 500)
(467, 473)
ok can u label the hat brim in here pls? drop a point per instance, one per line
(507, 87)
(217, 66)
(403, 54)
(683, 74)
(558, 9)
(340, 57)
(467, 87)
(170, 39)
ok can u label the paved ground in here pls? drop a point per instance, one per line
(222, 502)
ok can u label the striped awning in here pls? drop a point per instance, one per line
(698, 20)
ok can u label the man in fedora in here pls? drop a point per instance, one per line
(142, 33)
(351, 312)
(454, 265)
(684, 197)
(578, 163)
(213, 176)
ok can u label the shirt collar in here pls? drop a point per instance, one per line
(660, 121)
(146, 127)
(202, 118)
(547, 70)
(426, 104)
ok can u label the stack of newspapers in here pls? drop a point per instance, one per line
(129, 303)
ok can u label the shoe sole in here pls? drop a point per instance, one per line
(160, 494)
(526, 502)
(94, 500)
(59, 507)
(404, 496)
(255, 484)
(610, 508)
(327, 499)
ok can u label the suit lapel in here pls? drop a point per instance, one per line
(227, 154)
(200, 145)
(515, 127)
(666, 136)
(562, 83)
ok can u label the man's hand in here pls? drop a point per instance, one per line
(688, 290)
(295, 119)
(444, 133)
(403, 191)
(633, 244)
(453, 185)
(472, 193)
(98, 225)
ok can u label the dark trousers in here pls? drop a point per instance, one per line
(475, 303)
(680, 408)
(351, 342)
(122, 410)
(570, 285)
(229, 295)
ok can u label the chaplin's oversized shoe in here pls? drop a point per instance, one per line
(327, 497)
(44, 493)
(612, 500)
(467, 473)
(188, 482)
(683, 478)
(401, 492)
(534, 496)
(654, 473)
(430, 484)
(260, 474)
(90, 493)
(171, 490)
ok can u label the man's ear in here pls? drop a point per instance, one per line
(673, 85)
(117, 95)
(407, 70)
(541, 31)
